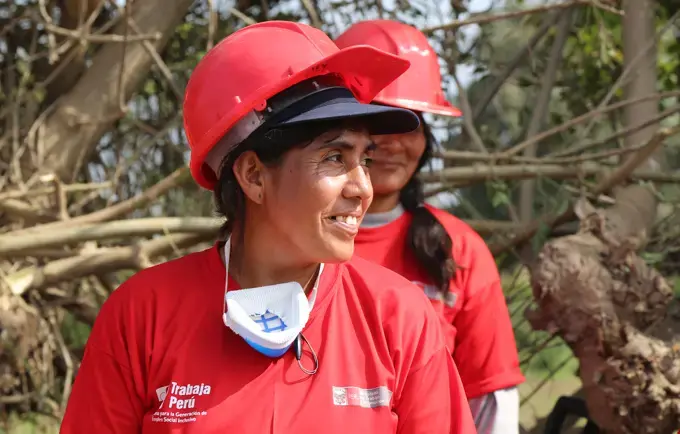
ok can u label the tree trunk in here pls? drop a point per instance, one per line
(593, 290)
(77, 123)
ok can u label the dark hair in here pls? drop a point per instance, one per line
(427, 238)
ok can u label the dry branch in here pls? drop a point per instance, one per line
(540, 111)
(482, 172)
(520, 57)
(136, 256)
(17, 209)
(489, 18)
(616, 177)
(78, 35)
(120, 209)
(71, 188)
(12, 245)
(510, 154)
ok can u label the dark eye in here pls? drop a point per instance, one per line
(334, 158)
(367, 161)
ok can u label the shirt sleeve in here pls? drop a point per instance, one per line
(433, 400)
(497, 412)
(104, 398)
(485, 351)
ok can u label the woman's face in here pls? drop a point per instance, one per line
(395, 160)
(315, 199)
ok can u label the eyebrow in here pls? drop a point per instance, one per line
(344, 144)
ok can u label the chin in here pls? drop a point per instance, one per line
(338, 251)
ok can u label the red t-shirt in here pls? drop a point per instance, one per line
(474, 314)
(160, 360)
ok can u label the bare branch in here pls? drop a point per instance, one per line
(120, 209)
(100, 261)
(70, 188)
(77, 34)
(13, 244)
(520, 57)
(488, 18)
(623, 172)
(243, 17)
(541, 108)
(313, 15)
(21, 210)
(81, 117)
(591, 115)
(467, 119)
(480, 173)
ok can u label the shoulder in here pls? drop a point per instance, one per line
(128, 320)
(379, 282)
(397, 311)
(162, 284)
(400, 307)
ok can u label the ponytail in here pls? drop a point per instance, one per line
(427, 238)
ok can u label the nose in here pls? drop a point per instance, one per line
(387, 143)
(358, 184)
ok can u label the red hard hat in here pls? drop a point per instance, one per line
(420, 87)
(253, 64)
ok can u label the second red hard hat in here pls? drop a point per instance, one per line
(420, 87)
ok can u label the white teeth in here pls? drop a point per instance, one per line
(350, 220)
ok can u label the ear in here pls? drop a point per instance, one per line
(249, 172)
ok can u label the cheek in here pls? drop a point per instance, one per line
(415, 147)
(388, 181)
(302, 197)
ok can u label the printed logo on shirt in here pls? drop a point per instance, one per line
(357, 397)
(161, 393)
(432, 292)
(178, 402)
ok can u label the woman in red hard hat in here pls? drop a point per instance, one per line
(271, 330)
(430, 247)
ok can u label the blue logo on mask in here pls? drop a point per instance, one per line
(269, 322)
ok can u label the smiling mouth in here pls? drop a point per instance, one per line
(348, 225)
(349, 220)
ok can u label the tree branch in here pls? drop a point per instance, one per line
(120, 209)
(488, 18)
(83, 115)
(101, 261)
(616, 177)
(541, 108)
(13, 244)
(521, 56)
(480, 173)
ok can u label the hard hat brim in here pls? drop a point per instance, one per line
(339, 104)
(437, 109)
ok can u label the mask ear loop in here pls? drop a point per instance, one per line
(227, 251)
(298, 355)
(301, 337)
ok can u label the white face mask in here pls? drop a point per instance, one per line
(269, 318)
